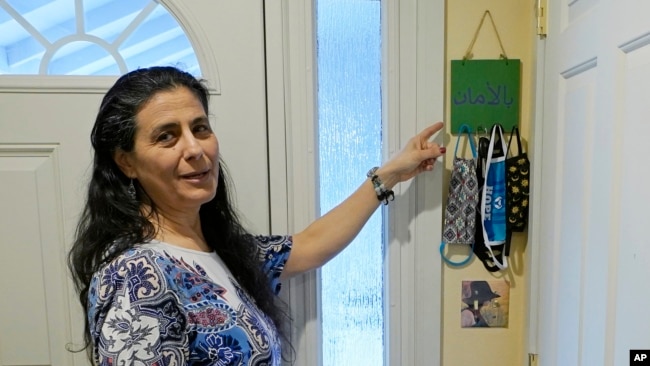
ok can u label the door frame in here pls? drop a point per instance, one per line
(534, 234)
(414, 64)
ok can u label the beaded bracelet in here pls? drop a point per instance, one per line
(383, 194)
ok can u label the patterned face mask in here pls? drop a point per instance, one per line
(460, 213)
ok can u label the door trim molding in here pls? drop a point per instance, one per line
(182, 11)
(414, 72)
(60, 84)
(56, 84)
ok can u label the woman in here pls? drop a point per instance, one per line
(163, 267)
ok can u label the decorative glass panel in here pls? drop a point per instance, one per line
(78, 58)
(349, 108)
(90, 37)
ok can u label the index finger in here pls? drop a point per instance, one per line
(431, 130)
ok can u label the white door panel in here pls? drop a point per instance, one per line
(45, 157)
(593, 251)
(631, 199)
(34, 311)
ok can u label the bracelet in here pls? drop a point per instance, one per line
(383, 194)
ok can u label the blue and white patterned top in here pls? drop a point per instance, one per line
(159, 304)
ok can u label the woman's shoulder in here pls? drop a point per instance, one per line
(136, 270)
(138, 256)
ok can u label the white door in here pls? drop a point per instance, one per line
(45, 158)
(591, 140)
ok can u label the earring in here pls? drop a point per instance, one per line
(130, 190)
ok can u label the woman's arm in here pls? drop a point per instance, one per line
(331, 233)
(133, 317)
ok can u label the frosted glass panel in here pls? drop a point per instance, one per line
(349, 107)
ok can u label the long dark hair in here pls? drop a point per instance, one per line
(112, 222)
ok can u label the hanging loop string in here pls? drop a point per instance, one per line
(468, 54)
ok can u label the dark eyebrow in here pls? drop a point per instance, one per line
(201, 119)
(166, 126)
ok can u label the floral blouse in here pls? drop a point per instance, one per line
(159, 304)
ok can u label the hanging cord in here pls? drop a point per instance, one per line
(468, 54)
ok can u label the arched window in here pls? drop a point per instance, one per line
(90, 37)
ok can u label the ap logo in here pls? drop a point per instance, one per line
(639, 357)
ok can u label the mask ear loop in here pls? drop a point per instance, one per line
(463, 128)
(483, 143)
(452, 263)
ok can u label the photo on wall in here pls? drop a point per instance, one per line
(484, 304)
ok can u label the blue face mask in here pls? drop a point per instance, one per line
(493, 197)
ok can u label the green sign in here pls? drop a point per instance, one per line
(485, 92)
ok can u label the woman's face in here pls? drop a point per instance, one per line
(176, 155)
